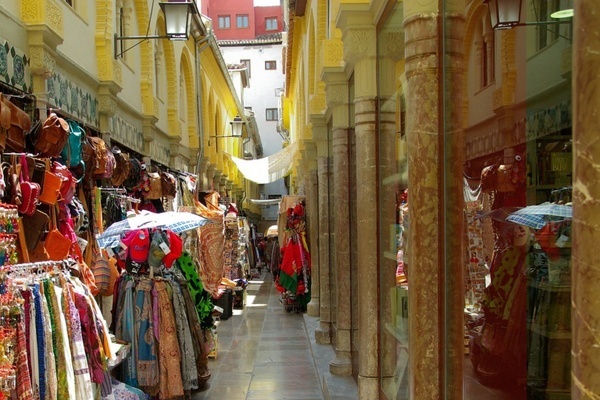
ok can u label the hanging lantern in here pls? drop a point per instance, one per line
(504, 14)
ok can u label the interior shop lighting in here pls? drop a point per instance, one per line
(506, 14)
(177, 24)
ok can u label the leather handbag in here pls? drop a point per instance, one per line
(169, 184)
(156, 191)
(13, 186)
(36, 225)
(4, 122)
(20, 125)
(50, 187)
(68, 183)
(30, 191)
(57, 245)
(52, 137)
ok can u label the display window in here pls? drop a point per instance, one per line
(504, 205)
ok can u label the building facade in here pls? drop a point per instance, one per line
(421, 129)
(138, 94)
(262, 57)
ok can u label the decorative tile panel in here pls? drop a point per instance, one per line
(127, 134)
(14, 67)
(73, 100)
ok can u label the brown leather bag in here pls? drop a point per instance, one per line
(20, 125)
(4, 122)
(52, 137)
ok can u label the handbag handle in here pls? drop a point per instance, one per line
(24, 168)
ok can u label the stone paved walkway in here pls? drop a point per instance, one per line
(263, 354)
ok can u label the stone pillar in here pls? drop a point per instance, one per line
(337, 100)
(585, 313)
(210, 175)
(312, 212)
(435, 159)
(323, 332)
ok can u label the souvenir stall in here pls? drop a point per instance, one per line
(61, 186)
(293, 280)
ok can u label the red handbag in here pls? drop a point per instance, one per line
(30, 191)
(69, 184)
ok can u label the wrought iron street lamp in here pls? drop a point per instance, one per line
(177, 22)
(506, 14)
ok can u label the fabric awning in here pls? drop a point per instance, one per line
(268, 169)
(266, 202)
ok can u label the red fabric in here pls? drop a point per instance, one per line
(176, 247)
(138, 244)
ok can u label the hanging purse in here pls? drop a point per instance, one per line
(20, 124)
(50, 187)
(52, 137)
(36, 225)
(156, 191)
(13, 193)
(29, 190)
(57, 245)
(4, 122)
(68, 183)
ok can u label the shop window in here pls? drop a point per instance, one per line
(270, 65)
(247, 64)
(271, 114)
(242, 21)
(271, 24)
(224, 22)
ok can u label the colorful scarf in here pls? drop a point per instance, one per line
(128, 335)
(83, 380)
(186, 346)
(24, 390)
(171, 385)
(147, 364)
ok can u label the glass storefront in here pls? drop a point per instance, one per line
(506, 115)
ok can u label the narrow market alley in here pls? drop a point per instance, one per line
(263, 352)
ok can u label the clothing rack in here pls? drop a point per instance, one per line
(127, 198)
(36, 265)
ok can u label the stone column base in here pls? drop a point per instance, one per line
(323, 333)
(341, 365)
(313, 309)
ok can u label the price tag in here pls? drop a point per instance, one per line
(123, 245)
(165, 248)
(562, 241)
(110, 252)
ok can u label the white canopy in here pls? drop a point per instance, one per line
(266, 202)
(268, 169)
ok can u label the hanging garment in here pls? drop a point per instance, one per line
(127, 334)
(24, 390)
(50, 375)
(57, 340)
(63, 343)
(171, 385)
(188, 360)
(201, 298)
(199, 342)
(83, 380)
(147, 364)
(211, 236)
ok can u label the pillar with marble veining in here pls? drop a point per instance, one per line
(323, 332)
(435, 151)
(337, 101)
(359, 38)
(585, 362)
(312, 213)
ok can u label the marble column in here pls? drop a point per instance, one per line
(323, 332)
(312, 212)
(337, 101)
(586, 205)
(435, 151)
(359, 38)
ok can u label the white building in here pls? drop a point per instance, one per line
(263, 60)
